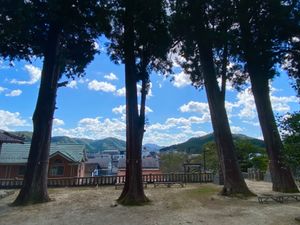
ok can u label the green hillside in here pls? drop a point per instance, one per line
(91, 145)
(194, 145)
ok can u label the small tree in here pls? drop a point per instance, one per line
(63, 34)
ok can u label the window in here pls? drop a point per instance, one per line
(22, 170)
(56, 170)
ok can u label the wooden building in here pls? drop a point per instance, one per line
(150, 165)
(66, 160)
(99, 166)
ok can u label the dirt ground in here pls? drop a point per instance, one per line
(194, 204)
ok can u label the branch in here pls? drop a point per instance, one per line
(62, 84)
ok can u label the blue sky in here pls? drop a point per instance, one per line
(93, 106)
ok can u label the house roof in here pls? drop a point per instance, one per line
(6, 137)
(18, 154)
(148, 162)
(103, 162)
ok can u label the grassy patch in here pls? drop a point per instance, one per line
(204, 191)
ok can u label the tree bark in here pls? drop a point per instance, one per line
(234, 183)
(34, 189)
(142, 116)
(281, 175)
(133, 192)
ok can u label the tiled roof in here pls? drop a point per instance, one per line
(14, 153)
(6, 137)
(148, 162)
(103, 162)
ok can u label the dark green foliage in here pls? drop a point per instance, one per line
(195, 145)
(265, 28)
(211, 156)
(290, 131)
(24, 27)
(172, 162)
(248, 155)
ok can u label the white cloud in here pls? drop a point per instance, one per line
(11, 120)
(236, 129)
(122, 109)
(229, 86)
(192, 106)
(281, 104)
(111, 76)
(174, 130)
(82, 80)
(253, 123)
(119, 110)
(176, 59)
(101, 86)
(72, 84)
(139, 88)
(180, 123)
(14, 93)
(181, 80)
(2, 89)
(121, 92)
(34, 73)
(247, 107)
(163, 134)
(58, 122)
(95, 128)
(197, 107)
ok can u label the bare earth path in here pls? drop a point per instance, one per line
(194, 204)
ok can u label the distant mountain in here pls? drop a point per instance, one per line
(194, 145)
(27, 135)
(152, 147)
(91, 145)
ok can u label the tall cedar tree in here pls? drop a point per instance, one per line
(140, 40)
(201, 28)
(152, 43)
(63, 34)
(263, 35)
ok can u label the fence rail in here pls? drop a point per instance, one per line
(111, 180)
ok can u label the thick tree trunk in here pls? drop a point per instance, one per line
(233, 180)
(34, 189)
(281, 175)
(133, 192)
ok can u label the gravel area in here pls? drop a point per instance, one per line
(194, 204)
